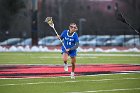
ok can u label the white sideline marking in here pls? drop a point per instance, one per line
(109, 54)
(79, 54)
(60, 57)
(61, 65)
(71, 81)
(111, 90)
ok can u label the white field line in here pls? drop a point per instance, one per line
(109, 55)
(94, 55)
(62, 82)
(61, 57)
(79, 54)
(111, 90)
(61, 65)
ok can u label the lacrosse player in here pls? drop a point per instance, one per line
(71, 42)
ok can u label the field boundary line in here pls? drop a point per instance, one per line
(111, 90)
(109, 55)
(102, 54)
(63, 64)
(76, 57)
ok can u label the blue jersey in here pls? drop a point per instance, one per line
(69, 41)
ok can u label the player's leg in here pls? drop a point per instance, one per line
(65, 58)
(73, 62)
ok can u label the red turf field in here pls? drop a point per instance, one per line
(36, 71)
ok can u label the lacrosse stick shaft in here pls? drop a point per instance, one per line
(59, 38)
(51, 24)
(123, 19)
(132, 28)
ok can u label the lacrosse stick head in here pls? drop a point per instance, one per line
(49, 21)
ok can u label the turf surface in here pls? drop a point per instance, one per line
(56, 58)
(114, 83)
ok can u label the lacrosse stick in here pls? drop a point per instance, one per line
(51, 24)
(121, 18)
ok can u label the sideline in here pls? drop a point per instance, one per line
(111, 90)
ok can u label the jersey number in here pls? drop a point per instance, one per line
(68, 43)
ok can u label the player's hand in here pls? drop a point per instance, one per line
(67, 50)
(58, 36)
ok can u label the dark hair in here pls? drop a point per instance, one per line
(73, 24)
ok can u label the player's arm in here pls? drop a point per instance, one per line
(58, 36)
(76, 43)
(75, 47)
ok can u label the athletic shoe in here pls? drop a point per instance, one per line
(66, 67)
(72, 75)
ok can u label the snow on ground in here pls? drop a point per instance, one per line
(48, 49)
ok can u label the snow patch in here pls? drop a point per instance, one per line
(46, 49)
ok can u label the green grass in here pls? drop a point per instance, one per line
(115, 83)
(79, 85)
(56, 58)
